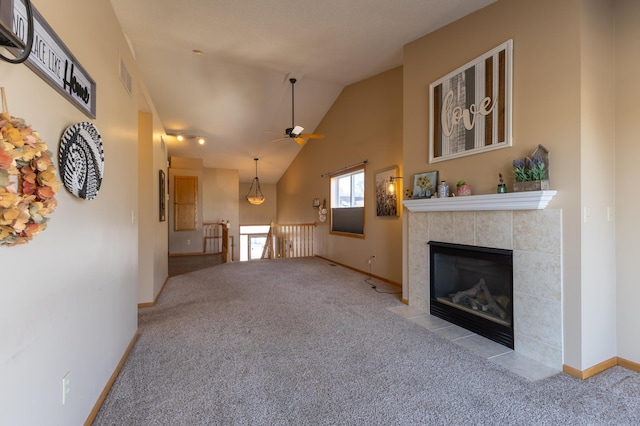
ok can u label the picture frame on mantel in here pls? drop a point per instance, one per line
(471, 107)
(425, 185)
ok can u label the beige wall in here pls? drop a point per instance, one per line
(626, 160)
(69, 297)
(152, 233)
(598, 286)
(263, 214)
(145, 198)
(546, 107)
(220, 195)
(364, 123)
(563, 99)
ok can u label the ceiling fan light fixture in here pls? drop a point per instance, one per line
(201, 141)
(295, 132)
(255, 195)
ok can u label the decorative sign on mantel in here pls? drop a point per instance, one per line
(470, 108)
(53, 61)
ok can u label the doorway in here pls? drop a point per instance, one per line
(252, 241)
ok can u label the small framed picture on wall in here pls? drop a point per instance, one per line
(162, 195)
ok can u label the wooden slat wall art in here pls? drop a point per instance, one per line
(488, 88)
(470, 108)
(502, 76)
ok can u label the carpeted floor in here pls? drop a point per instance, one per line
(302, 342)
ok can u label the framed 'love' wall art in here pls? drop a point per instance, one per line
(470, 108)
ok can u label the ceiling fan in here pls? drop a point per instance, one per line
(295, 132)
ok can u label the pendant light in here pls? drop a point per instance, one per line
(255, 195)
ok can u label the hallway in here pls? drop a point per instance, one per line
(179, 265)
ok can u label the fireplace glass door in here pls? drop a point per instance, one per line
(473, 287)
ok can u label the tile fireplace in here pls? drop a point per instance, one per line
(533, 235)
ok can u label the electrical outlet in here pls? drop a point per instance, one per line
(66, 383)
(188, 242)
(371, 260)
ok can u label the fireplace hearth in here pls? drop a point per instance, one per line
(472, 287)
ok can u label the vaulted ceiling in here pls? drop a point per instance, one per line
(235, 92)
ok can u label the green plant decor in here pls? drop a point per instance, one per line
(530, 169)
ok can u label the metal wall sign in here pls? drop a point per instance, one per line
(53, 61)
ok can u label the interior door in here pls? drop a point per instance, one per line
(256, 245)
(185, 203)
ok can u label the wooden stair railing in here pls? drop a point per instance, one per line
(290, 240)
(226, 255)
(215, 239)
(267, 250)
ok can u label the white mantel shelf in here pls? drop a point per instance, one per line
(526, 200)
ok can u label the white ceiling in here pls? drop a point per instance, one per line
(239, 89)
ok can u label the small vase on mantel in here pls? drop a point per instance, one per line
(443, 190)
(502, 187)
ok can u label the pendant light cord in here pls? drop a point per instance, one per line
(257, 180)
(293, 85)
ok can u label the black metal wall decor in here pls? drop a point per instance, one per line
(81, 160)
(49, 57)
(9, 39)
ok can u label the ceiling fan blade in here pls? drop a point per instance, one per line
(274, 132)
(312, 136)
(280, 139)
(300, 141)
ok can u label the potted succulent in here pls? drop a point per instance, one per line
(532, 173)
(463, 188)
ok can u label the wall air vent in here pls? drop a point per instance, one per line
(125, 77)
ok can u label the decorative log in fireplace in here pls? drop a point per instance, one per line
(480, 298)
(472, 287)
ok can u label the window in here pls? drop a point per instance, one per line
(348, 190)
(347, 202)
